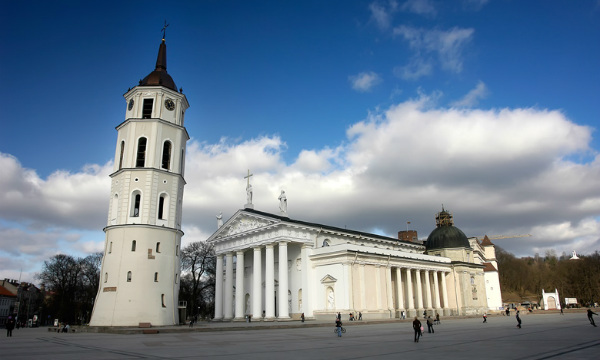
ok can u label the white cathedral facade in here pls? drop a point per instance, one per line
(271, 267)
(139, 279)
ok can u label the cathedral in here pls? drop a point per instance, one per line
(269, 266)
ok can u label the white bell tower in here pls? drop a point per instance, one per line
(139, 279)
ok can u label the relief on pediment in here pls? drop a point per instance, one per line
(243, 225)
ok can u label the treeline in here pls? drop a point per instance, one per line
(71, 284)
(524, 278)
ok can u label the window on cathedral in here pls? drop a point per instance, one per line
(133, 245)
(121, 155)
(176, 277)
(105, 277)
(155, 277)
(129, 276)
(147, 108)
(141, 153)
(158, 247)
(137, 199)
(166, 156)
(110, 247)
(325, 242)
(161, 207)
(177, 250)
(162, 300)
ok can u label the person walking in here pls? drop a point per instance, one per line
(430, 325)
(417, 328)
(359, 315)
(338, 325)
(590, 315)
(302, 317)
(10, 325)
(518, 320)
(484, 317)
(437, 318)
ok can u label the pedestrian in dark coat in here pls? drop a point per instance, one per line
(590, 314)
(417, 328)
(10, 325)
(518, 320)
(430, 325)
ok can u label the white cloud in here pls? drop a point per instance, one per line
(421, 7)
(381, 13)
(416, 69)
(364, 81)
(473, 96)
(447, 45)
(500, 171)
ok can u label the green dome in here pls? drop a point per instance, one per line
(444, 237)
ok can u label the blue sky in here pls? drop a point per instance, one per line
(374, 112)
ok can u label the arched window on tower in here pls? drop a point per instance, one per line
(133, 245)
(181, 162)
(141, 153)
(135, 203)
(121, 155)
(166, 155)
(158, 247)
(129, 276)
(162, 206)
(147, 108)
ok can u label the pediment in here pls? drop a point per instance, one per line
(328, 279)
(242, 224)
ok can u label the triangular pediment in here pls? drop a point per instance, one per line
(328, 279)
(242, 222)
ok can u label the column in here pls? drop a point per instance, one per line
(361, 278)
(239, 286)
(219, 288)
(283, 281)
(306, 305)
(228, 286)
(436, 289)
(388, 288)
(419, 290)
(428, 290)
(444, 291)
(269, 283)
(256, 284)
(409, 290)
(377, 287)
(399, 294)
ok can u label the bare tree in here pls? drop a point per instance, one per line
(198, 279)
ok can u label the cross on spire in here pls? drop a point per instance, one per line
(248, 177)
(164, 30)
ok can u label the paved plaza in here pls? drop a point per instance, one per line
(543, 336)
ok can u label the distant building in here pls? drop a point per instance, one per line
(7, 304)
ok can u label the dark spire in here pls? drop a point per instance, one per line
(160, 76)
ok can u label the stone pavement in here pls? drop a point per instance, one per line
(543, 336)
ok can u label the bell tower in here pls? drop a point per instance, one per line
(139, 279)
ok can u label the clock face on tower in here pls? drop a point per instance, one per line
(169, 104)
(130, 104)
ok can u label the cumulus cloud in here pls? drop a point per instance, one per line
(500, 171)
(364, 81)
(473, 96)
(446, 45)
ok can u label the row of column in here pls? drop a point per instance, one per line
(224, 297)
(428, 299)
